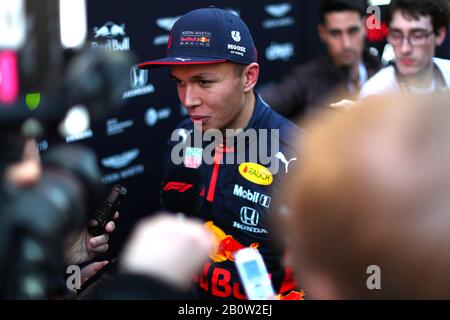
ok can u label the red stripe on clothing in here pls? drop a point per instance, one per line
(212, 185)
(217, 159)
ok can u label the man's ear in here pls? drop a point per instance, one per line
(251, 75)
(322, 32)
(440, 37)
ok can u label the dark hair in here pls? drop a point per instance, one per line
(439, 10)
(328, 6)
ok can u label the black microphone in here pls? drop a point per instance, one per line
(106, 211)
(181, 191)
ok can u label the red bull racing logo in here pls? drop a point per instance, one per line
(195, 38)
(224, 245)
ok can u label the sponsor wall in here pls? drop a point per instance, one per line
(130, 143)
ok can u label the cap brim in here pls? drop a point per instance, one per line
(178, 61)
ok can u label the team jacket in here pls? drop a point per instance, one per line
(238, 197)
(307, 88)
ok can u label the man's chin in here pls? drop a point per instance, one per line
(407, 70)
(347, 60)
(347, 64)
(202, 127)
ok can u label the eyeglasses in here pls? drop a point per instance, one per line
(415, 39)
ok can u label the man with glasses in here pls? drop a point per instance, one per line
(338, 74)
(416, 28)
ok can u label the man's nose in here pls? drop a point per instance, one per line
(346, 41)
(406, 46)
(191, 98)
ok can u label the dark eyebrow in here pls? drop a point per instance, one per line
(334, 30)
(353, 28)
(420, 30)
(412, 30)
(199, 76)
(202, 75)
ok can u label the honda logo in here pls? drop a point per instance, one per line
(178, 186)
(138, 78)
(249, 216)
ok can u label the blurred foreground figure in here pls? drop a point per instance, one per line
(373, 190)
(160, 259)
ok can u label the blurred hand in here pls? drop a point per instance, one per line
(92, 269)
(343, 104)
(84, 246)
(171, 248)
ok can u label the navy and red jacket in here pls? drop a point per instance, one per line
(238, 199)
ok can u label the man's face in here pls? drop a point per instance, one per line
(343, 33)
(213, 94)
(413, 59)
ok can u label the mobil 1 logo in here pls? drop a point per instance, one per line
(252, 196)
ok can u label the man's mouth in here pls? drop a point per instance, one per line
(347, 54)
(199, 118)
(406, 61)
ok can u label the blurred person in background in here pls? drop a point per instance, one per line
(416, 28)
(81, 246)
(338, 74)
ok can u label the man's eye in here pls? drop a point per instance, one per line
(418, 35)
(335, 33)
(394, 35)
(205, 82)
(354, 31)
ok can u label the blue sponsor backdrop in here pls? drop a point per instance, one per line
(130, 143)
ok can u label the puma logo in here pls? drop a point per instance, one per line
(183, 59)
(282, 158)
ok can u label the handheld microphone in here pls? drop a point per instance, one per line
(181, 189)
(106, 211)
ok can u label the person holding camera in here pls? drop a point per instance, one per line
(80, 246)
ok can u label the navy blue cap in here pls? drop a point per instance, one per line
(205, 36)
